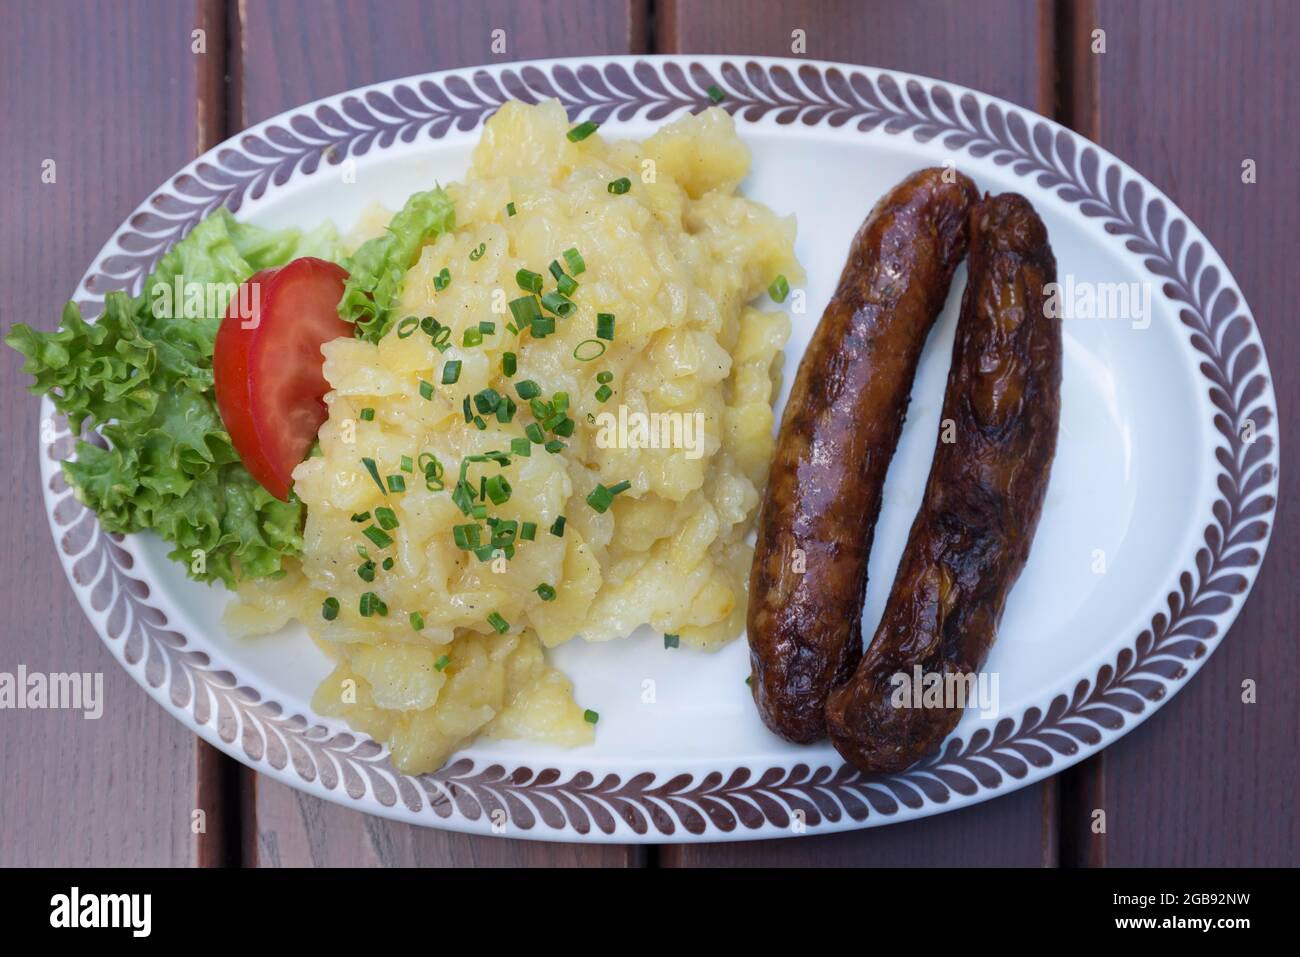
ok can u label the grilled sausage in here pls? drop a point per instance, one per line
(837, 437)
(972, 534)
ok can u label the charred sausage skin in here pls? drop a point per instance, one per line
(838, 434)
(982, 500)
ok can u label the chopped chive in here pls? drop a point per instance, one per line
(451, 372)
(671, 641)
(366, 571)
(473, 336)
(566, 285)
(329, 609)
(407, 465)
(527, 389)
(556, 269)
(500, 458)
(432, 471)
(487, 400)
(406, 328)
(377, 535)
(521, 446)
(442, 663)
(509, 364)
(543, 326)
(442, 280)
(417, 620)
(476, 254)
(603, 393)
(426, 390)
(372, 604)
(506, 410)
(360, 516)
(374, 473)
(499, 624)
(577, 265)
(557, 527)
(386, 518)
(589, 349)
(553, 446)
(504, 532)
(510, 209)
(564, 428)
(559, 304)
(479, 423)
(498, 490)
(396, 483)
(546, 592)
(524, 309)
(467, 410)
(528, 280)
(367, 414)
(528, 531)
(620, 186)
(591, 717)
(605, 377)
(463, 497)
(715, 93)
(605, 326)
(466, 536)
(601, 498)
(779, 289)
(388, 564)
(560, 401)
(582, 131)
(487, 328)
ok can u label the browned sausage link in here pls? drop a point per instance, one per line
(972, 534)
(838, 434)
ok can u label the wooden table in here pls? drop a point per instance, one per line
(1185, 91)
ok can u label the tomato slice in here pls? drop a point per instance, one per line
(268, 368)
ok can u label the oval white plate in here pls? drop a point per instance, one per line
(1158, 514)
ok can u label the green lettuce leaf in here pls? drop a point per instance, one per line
(142, 375)
(377, 268)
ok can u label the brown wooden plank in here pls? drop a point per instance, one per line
(1002, 48)
(293, 52)
(1014, 830)
(995, 46)
(1187, 90)
(295, 829)
(296, 51)
(108, 92)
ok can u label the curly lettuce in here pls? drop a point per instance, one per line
(377, 268)
(142, 375)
